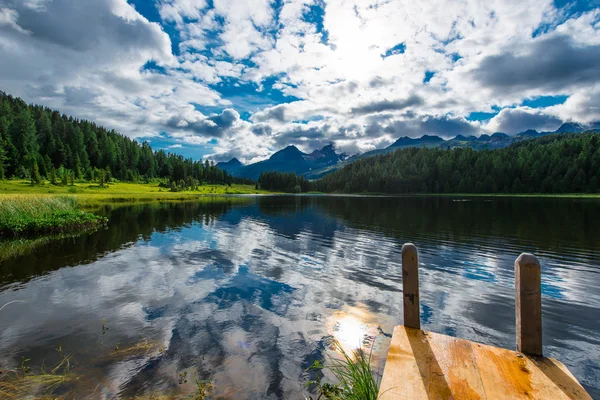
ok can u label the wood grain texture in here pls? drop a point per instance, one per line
(528, 298)
(425, 365)
(410, 286)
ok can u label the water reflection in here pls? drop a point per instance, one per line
(250, 293)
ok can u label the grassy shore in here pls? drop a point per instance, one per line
(42, 215)
(90, 194)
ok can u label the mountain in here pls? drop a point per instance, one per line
(326, 155)
(497, 140)
(232, 166)
(324, 161)
(570, 127)
(291, 159)
(423, 141)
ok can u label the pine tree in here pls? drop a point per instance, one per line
(23, 135)
(3, 159)
(45, 136)
(101, 174)
(36, 178)
(53, 176)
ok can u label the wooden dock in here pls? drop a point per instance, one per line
(426, 365)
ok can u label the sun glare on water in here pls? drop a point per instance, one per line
(352, 329)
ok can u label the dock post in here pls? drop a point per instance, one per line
(410, 286)
(528, 308)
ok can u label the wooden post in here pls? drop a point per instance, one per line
(410, 286)
(528, 282)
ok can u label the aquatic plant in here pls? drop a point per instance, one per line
(23, 382)
(353, 373)
(32, 215)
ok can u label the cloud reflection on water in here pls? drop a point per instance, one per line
(250, 297)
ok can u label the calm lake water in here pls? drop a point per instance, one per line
(249, 292)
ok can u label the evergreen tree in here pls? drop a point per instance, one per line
(3, 159)
(53, 176)
(23, 135)
(36, 178)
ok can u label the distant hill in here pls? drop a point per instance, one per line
(290, 159)
(497, 140)
(324, 161)
(232, 166)
(548, 164)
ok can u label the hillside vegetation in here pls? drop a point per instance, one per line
(567, 163)
(38, 143)
(554, 164)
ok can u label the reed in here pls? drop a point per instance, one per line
(34, 214)
(353, 374)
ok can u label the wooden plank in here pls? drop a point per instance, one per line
(410, 286)
(430, 366)
(401, 377)
(425, 365)
(510, 375)
(528, 293)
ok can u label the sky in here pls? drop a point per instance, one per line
(244, 78)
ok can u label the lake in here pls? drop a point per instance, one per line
(248, 292)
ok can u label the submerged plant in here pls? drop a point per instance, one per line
(353, 373)
(23, 382)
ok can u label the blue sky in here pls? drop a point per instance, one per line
(243, 78)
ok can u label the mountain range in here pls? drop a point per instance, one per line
(321, 162)
(290, 159)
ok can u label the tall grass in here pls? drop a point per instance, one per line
(25, 215)
(353, 373)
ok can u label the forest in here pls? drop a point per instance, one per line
(283, 182)
(560, 163)
(567, 163)
(39, 143)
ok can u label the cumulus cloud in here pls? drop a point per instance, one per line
(550, 64)
(8, 17)
(276, 113)
(388, 105)
(415, 126)
(213, 126)
(261, 129)
(515, 120)
(583, 106)
(245, 78)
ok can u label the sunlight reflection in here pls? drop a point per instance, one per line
(353, 328)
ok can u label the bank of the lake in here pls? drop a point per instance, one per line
(28, 210)
(88, 193)
(35, 215)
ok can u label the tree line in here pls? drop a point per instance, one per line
(560, 163)
(283, 182)
(39, 143)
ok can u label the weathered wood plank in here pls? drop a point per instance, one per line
(410, 286)
(528, 293)
(425, 365)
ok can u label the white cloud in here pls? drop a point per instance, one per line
(515, 120)
(177, 10)
(328, 54)
(8, 17)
